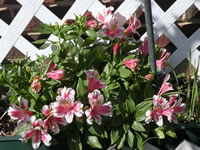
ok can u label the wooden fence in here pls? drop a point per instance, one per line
(164, 23)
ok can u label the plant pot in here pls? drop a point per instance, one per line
(13, 143)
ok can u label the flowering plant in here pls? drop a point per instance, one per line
(96, 88)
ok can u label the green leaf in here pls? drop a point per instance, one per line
(45, 45)
(130, 138)
(140, 110)
(130, 104)
(159, 132)
(94, 142)
(148, 90)
(114, 135)
(126, 127)
(97, 130)
(140, 143)
(56, 59)
(88, 41)
(91, 33)
(138, 126)
(80, 89)
(124, 73)
(171, 133)
(41, 41)
(121, 143)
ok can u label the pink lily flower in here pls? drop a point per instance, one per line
(97, 107)
(65, 105)
(37, 133)
(93, 80)
(176, 108)
(36, 84)
(22, 114)
(51, 122)
(134, 24)
(165, 87)
(56, 75)
(132, 64)
(105, 16)
(160, 107)
(162, 62)
(116, 48)
(113, 31)
(144, 47)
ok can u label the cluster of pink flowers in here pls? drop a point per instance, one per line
(62, 111)
(163, 107)
(111, 26)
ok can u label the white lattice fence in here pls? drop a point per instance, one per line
(164, 23)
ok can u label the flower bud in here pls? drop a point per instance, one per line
(36, 84)
(56, 75)
(92, 23)
(88, 14)
(116, 48)
(149, 77)
(69, 21)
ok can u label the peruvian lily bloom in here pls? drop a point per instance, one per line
(36, 84)
(56, 75)
(51, 122)
(65, 105)
(37, 133)
(105, 16)
(97, 107)
(133, 25)
(93, 80)
(144, 47)
(162, 62)
(112, 29)
(132, 64)
(176, 108)
(165, 87)
(160, 107)
(22, 114)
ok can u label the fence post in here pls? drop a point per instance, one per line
(150, 34)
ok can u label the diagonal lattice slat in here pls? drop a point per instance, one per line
(164, 23)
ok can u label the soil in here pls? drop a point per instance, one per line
(7, 126)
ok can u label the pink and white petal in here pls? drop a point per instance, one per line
(16, 114)
(46, 138)
(149, 116)
(97, 119)
(24, 104)
(36, 139)
(89, 120)
(78, 109)
(60, 120)
(158, 120)
(46, 110)
(105, 109)
(58, 110)
(27, 135)
(69, 116)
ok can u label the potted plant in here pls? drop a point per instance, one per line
(96, 90)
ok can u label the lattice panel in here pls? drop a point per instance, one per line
(164, 23)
